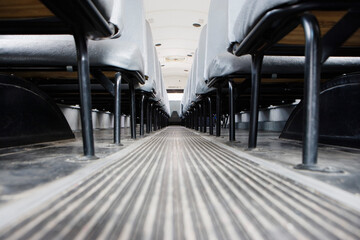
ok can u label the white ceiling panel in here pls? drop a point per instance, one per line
(172, 26)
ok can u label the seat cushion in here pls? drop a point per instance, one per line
(59, 50)
(243, 15)
(201, 87)
(151, 62)
(226, 64)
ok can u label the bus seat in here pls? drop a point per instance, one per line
(126, 52)
(201, 86)
(150, 63)
(244, 14)
(220, 63)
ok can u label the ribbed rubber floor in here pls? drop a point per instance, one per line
(179, 185)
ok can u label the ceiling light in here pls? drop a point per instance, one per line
(197, 25)
(175, 59)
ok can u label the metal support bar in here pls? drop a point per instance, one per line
(196, 111)
(200, 117)
(204, 117)
(151, 114)
(192, 122)
(85, 93)
(218, 111)
(148, 111)
(158, 119)
(133, 111)
(338, 35)
(155, 119)
(256, 65)
(163, 121)
(211, 123)
(188, 117)
(104, 81)
(311, 91)
(142, 115)
(117, 111)
(231, 112)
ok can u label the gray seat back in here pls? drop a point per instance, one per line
(243, 15)
(216, 38)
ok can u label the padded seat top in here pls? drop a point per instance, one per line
(126, 52)
(150, 63)
(200, 84)
(55, 51)
(92, 17)
(189, 91)
(192, 80)
(161, 94)
(225, 64)
(216, 34)
(221, 63)
(158, 79)
(165, 99)
(244, 14)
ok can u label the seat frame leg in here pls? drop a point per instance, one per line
(197, 118)
(256, 64)
(148, 113)
(231, 112)
(211, 119)
(81, 43)
(160, 120)
(117, 110)
(151, 114)
(200, 117)
(142, 108)
(133, 111)
(204, 123)
(311, 93)
(218, 111)
(192, 120)
(155, 119)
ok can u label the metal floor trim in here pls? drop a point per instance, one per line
(342, 196)
(177, 184)
(34, 198)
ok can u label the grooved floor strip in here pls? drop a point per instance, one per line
(178, 185)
